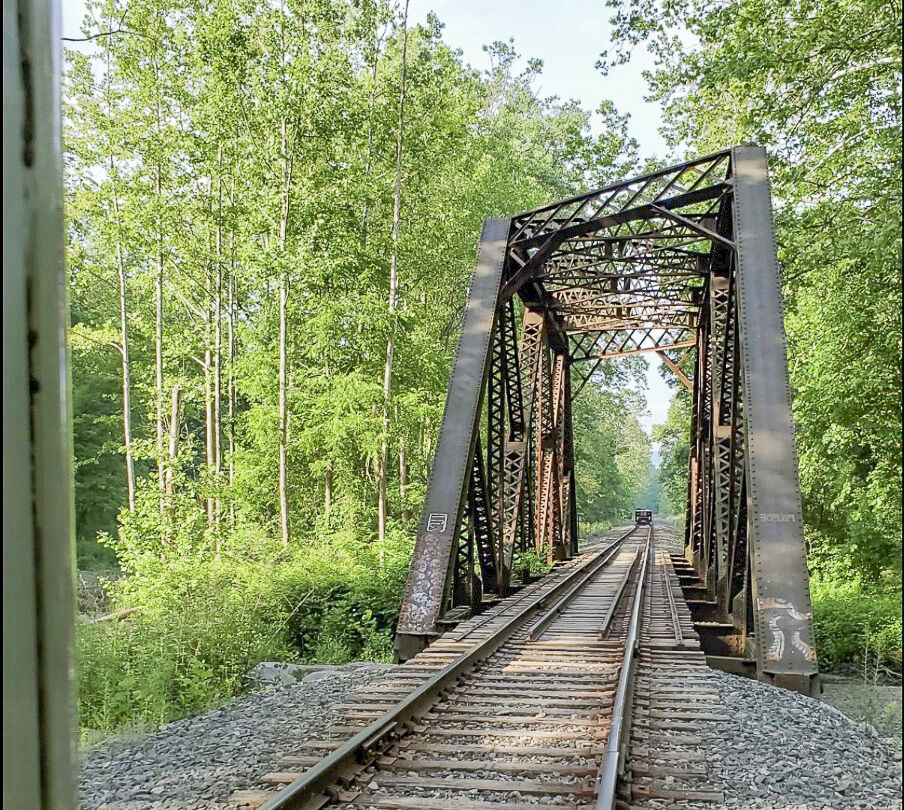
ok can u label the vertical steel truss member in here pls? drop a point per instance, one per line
(504, 408)
(679, 259)
(779, 582)
(743, 523)
(480, 528)
(569, 501)
(517, 512)
(546, 519)
(436, 555)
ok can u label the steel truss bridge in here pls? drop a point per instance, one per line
(681, 262)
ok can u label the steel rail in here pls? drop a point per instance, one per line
(673, 609)
(310, 791)
(616, 599)
(607, 778)
(491, 617)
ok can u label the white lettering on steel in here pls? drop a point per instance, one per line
(776, 517)
(436, 521)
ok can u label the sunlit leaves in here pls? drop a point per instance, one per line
(818, 84)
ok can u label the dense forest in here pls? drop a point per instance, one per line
(272, 213)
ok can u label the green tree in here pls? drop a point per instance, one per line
(674, 449)
(612, 452)
(818, 84)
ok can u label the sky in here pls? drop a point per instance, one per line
(568, 35)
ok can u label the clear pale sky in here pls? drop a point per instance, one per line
(568, 35)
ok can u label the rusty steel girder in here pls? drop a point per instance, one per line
(681, 262)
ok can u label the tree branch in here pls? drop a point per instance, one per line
(887, 60)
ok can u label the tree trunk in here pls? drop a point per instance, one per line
(158, 341)
(123, 330)
(174, 427)
(231, 386)
(126, 381)
(283, 415)
(283, 294)
(328, 492)
(126, 368)
(403, 481)
(173, 454)
(208, 431)
(208, 382)
(217, 337)
(383, 465)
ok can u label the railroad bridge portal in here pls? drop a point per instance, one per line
(681, 262)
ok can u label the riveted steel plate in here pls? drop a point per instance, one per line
(784, 629)
(445, 492)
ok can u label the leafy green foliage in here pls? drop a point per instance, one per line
(612, 452)
(531, 563)
(652, 495)
(855, 623)
(207, 619)
(97, 432)
(674, 447)
(218, 155)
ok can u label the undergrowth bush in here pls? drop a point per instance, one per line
(531, 563)
(852, 620)
(589, 529)
(207, 618)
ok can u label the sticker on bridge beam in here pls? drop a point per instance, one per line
(776, 517)
(436, 521)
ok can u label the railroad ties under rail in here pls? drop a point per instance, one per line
(529, 705)
(674, 698)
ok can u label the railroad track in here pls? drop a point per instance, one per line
(675, 697)
(571, 693)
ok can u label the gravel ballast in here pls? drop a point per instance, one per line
(779, 750)
(785, 750)
(196, 763)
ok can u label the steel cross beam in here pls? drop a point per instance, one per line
(681, 258)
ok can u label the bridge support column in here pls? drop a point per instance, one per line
(785, 650)
(569, 494)
(429, 585)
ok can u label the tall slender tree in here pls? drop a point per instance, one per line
(383, 468)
